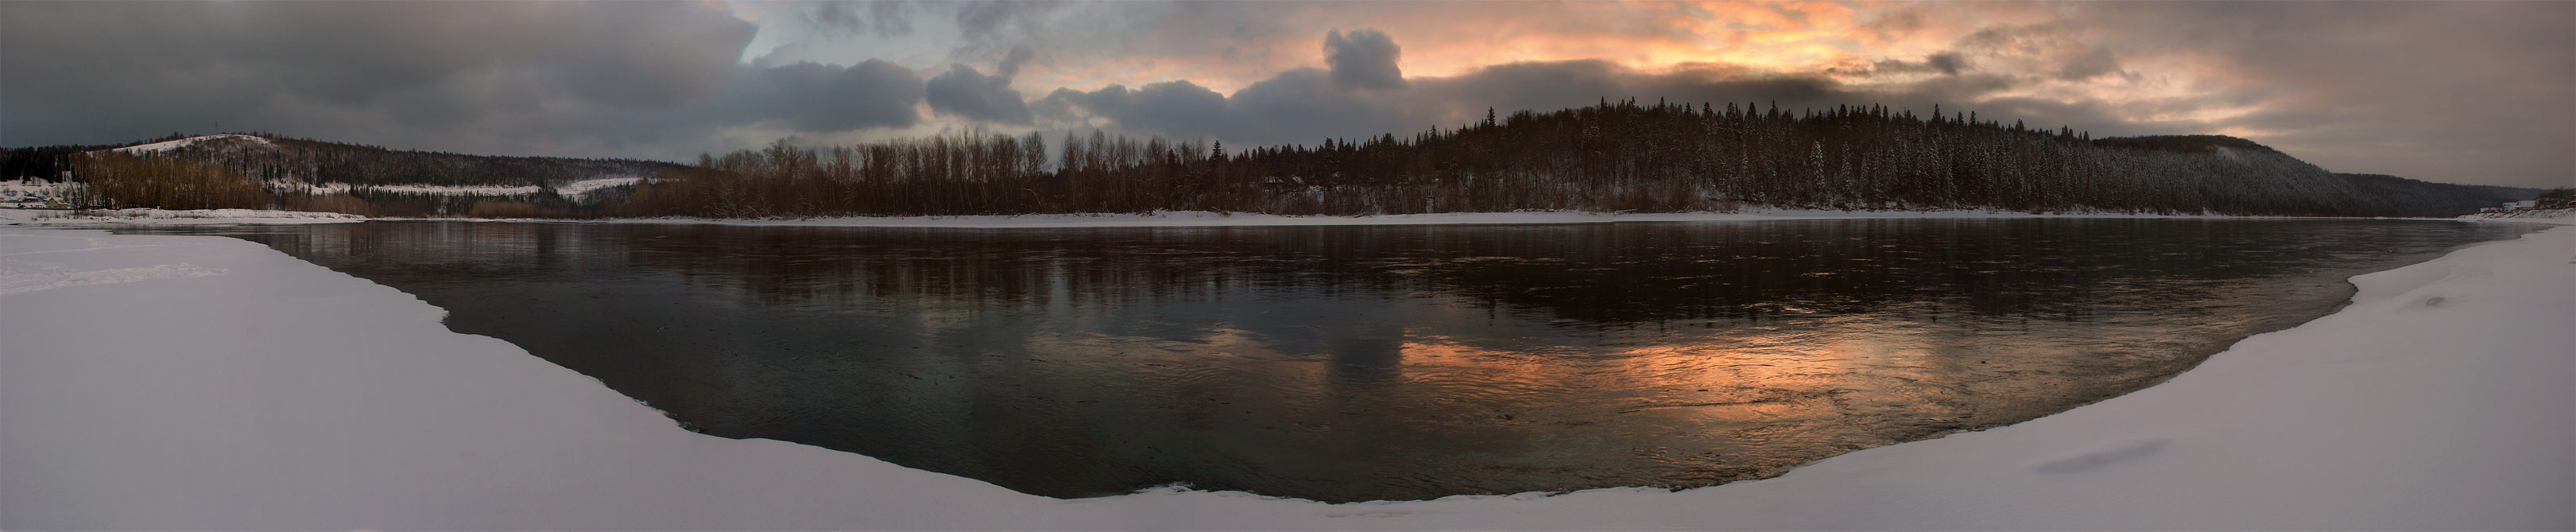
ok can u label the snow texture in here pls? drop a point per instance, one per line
(577, 189)
(158, 148)
(262, 392)
(2540, 216)
(574, 190)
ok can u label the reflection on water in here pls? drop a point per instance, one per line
(1355, 363)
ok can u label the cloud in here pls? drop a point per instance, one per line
(817, 97)
(1893, 25)
(2054, 50)
(1306, 105)
(1177, 107)
(647, 79)
(1365, 58)
(963, 92)
(1019, 55)
(842, 18)
(1944, 63)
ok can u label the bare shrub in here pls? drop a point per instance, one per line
(117, 179)
(331, 203)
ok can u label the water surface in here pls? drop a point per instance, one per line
(1388, 362)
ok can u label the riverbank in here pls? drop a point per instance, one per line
(1213, 219)
(1157, 219)
(2542, 216)
(207, 382)
(169, 217)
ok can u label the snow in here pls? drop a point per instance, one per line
(576, 189)
(23, 193)
(25, 188)
(211, 383)
(429, 190)
(158, 148)
(570, 190)
(2542, 216)
(168, 217)
(1214, 219)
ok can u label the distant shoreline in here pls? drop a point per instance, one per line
(1158, 219)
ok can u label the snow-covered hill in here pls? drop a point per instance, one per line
(224, 140)
(289, 166)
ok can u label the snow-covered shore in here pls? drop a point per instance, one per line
(173, 382)
(1157, 219)
(2542, 216)
(1215, 219)
(169, 217)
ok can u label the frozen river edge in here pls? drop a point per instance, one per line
(169, 382)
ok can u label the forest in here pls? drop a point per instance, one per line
(1610, 157)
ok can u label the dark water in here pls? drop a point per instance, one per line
(1356, 363)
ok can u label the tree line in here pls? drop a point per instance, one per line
(1610, 157)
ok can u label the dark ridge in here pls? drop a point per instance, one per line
(2429, 199)
(2184, 143)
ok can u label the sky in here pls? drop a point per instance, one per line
(2462, 92)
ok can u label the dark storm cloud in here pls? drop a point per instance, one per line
(1176, 107)
(1020, 55)
(1944, 63)
(641, 78)
(963, 92)
(1364, 58)
(816, 97)
(1305, 105)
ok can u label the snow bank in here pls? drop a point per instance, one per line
(1213, 219)
(211, 383)
(165, 217)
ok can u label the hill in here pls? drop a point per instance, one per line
(2430, 199)
(296, 173)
